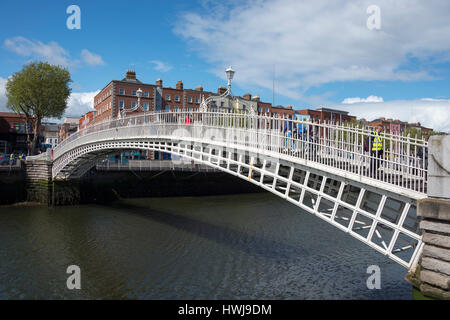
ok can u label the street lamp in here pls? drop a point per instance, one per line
(139, 95)
(230, 74)
(123, 114)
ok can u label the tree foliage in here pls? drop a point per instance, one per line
(40, 90)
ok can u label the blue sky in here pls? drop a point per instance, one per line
(322, 52)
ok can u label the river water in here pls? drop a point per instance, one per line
(254, 246)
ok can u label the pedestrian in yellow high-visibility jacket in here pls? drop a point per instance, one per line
(376, 152)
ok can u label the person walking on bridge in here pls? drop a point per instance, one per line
(376, 152)
(11, 159)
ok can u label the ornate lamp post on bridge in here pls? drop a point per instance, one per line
(124, 111)
(230, 74)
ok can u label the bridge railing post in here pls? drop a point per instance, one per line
(432, 276)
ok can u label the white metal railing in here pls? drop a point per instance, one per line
(341, 147)
(154, 165)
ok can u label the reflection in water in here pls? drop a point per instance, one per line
(222, 247)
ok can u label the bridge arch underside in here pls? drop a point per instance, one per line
(384, 220)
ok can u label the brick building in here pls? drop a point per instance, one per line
(13, 133)
(397, 126)
(119, 94)
(86, 120)
(69, 127)
(180, 99)
(328, 115)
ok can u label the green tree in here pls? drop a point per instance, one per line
(40, 90)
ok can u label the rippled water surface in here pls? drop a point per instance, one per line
(223, 247)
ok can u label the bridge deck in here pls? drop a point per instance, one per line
(403, 163)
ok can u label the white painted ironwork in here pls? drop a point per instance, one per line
(124, 110)
(321, 167)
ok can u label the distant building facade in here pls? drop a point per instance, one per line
(13, 133)
(396, 126)
(69, 127)
(50, 133)
(118, 95)
(86, 120)
(328, 115)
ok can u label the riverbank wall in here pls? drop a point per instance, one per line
(106, 186)
(12, 187)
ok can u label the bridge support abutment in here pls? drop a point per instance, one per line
(432, 274)
(38, 175)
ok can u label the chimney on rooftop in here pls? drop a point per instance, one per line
(199, 88)
(131, 75)
(247, 96)
(221, 90)
(159, 82)
(179, 85)
(255, 98)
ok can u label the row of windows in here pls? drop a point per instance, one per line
(103, 97)
(104, 108)
(177, 99)
(133, 105)
(167, 108)
(52, 141)
(168, 98)
(122, 91)
(260, 109)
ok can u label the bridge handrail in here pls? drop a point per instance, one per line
(338, 146)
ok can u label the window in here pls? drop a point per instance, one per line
(222, 104)
(133, 92)
(121, 104)
(146, 94)
(133, 104)
(197, 100)
(177, 98)
(259, 109)
(168, 97)
(267, 110)
(176, 109)
(121, 91)
(146, 106)
(190, 100)
(167, 108)
(244, 107)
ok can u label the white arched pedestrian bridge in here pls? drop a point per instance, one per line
(320, 167)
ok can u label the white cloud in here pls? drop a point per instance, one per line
(430, 113)
(3, 99)
(51, 52)
(79, 103)
(317, 42)
(362, 100)
(432, 99)
(91, 59)
(161, 66)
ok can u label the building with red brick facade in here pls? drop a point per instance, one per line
(328, 115)
(86, 120)
(13, 132)
(397, 126)
(68, 127)
(180, 99)
(117, 95)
